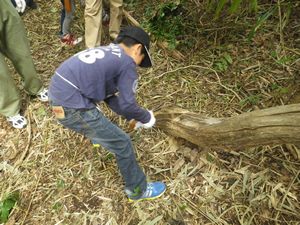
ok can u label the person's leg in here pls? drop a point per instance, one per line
(116, 15)
(17, 49)
(9, 95)
(95, 126)
(62, 17)
(118, 142)
(14, 3)
(69, 16)
(31, 4)
(93, 23)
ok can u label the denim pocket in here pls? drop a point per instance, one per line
(71, 117)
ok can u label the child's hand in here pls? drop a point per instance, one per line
(150, 123)
(134, 125)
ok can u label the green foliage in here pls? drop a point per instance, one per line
(60, 184)
(219, 8)
(54, 10)
(130, 3)
(233, 6)
(41, 111)
(253, 5)
(279, 89)
(210, 158)
(286, 14)
(223, 62)
(7, 205)
(57, 206)
(137, 191)
(165, 21)
(183, 207)
(283, 59)
(109, 157)
(260, 21)
(252, 100)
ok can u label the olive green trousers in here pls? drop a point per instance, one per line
(14, 46)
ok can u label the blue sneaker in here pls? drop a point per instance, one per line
(153, 190)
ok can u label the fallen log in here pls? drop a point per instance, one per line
(276, 125)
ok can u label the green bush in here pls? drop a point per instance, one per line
(7, 204)
(165, 21)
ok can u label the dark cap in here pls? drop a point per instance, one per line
(140, 36)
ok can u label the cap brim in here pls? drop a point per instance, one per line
(147, 62)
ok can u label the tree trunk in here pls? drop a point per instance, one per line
(276, 125)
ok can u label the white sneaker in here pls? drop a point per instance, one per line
(17, 121)
(43, 95)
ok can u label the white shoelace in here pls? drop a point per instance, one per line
(43, 95)
(17, 121)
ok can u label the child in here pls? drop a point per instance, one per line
(67, 16)
(107, 74)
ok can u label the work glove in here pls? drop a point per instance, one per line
(146, 125)
(20, 6)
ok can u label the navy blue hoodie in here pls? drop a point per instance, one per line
(99, 74)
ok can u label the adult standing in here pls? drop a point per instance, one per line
(93, 21)
(14, 46)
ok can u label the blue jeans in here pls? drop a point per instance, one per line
(95, 126)
(66, 18)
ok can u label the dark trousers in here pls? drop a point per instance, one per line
(66, 18)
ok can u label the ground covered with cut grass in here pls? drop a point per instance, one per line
(62, 179)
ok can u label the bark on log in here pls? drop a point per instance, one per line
(276, 125)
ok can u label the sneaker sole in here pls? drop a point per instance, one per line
(142, 199)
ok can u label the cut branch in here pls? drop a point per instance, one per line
(276, 125)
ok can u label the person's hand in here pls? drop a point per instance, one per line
(146, 125)
(21, 5)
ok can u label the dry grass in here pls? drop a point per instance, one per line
(62, 179)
